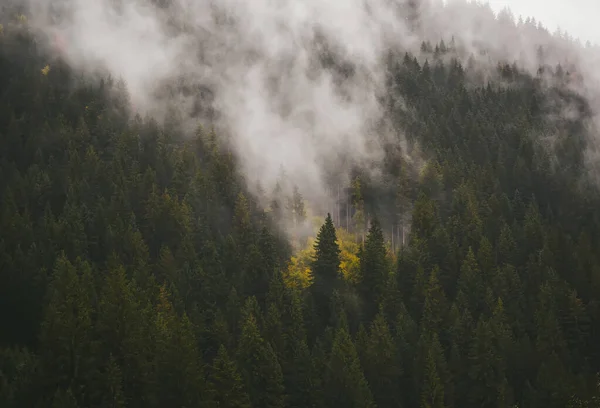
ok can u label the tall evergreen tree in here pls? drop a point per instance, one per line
(226, 382)
(66, 332)
(325, 268)
(345, 383)
(382, 364)
(373, 268)
(260, 368)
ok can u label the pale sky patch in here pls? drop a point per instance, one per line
(578, 17)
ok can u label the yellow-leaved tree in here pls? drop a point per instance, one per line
(298, 274)
(349, 264)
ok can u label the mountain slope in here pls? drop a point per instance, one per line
(137, 269)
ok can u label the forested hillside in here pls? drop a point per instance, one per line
(137, 270)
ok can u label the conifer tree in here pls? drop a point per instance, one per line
(113, 385)
(180, 376)
(66, 332)
(431, 371)
(471, 289)
(435, 308)
(298, 210)
(345, 384)
(226, 382)
(124, 327)
(325, 268)
(296, 362)
(373, 268)
(382, 364)
(260, 368)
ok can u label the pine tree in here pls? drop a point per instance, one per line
(432, 393)
(260, 368)
(274, 328)
(485, 257)
(436, 307)
(506, 245)
(373, 268)
(297, 362)
(432, 371)
(125, 326)
(241, 223)
(298, 209)
(226, 382)
(178, 363)
(487, 366)
(113, 385)
(424, 216)
(382, 364)
(471, 289)
(345, 384)
(325, 268)
(66, 332)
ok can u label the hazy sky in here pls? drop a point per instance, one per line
(579, 17)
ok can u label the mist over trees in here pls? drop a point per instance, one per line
(139, 269)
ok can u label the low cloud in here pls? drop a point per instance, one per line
(294, 84)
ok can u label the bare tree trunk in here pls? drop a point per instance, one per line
(338, 208)
(348, 212)
(330, 210)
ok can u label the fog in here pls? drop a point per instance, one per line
(262, 61)
(279, 104)
(577, 17)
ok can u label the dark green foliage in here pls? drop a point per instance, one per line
(344, 382)
(137, 270)
(260, 368)
(373, 269)
(226, 382)
(326, 270)
(382, 365)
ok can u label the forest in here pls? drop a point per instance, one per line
(137, 269)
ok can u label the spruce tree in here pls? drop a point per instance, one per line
(373, 268)
(325, 268)
(296, 364)
(260, 368)
(226, 382)
(382, 364)
(66, 331)
(345, 384)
